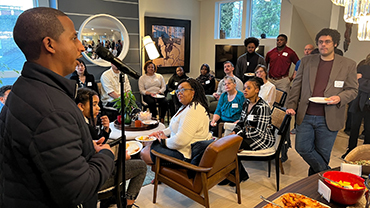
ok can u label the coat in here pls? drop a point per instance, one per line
(47, 155)
(342, 82)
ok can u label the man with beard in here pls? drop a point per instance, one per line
(279, 60)
(333, 78)
(248, 62)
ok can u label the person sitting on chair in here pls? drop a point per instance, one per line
(268, 90)
(135, 170)
(152, 87)
(255, 121)
(189, 125)
(83, 77)
(172, 84)
(229, 105)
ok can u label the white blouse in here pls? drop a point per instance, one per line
(268, 93)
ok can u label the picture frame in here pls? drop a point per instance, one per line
(172, 39)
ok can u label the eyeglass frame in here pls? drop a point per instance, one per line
(182, 90)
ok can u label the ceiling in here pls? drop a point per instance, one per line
(315, 14)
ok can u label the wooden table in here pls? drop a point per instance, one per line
(308, 187)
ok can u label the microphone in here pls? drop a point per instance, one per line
(105, 54)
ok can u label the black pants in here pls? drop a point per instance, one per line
(152, 104)
(355, 128)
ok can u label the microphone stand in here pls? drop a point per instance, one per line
(123, 136)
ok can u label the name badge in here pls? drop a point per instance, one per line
(176, 83)
(89, 84)
(285, 54)
(207, 82)
(248, 63)
(234, 105)
(250, 117)
(338, 84)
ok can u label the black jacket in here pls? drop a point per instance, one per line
(89, 82)
(362, 102)
(47, 158)
(174, 81)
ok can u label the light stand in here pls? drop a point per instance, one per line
(123, 136)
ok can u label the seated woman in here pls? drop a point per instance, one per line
(268, 90)
(229, 107)
(151, 85)
(135, 170)
(172, 84)
(255, 122)
(189, 125)
(207, 80)
(84, 78)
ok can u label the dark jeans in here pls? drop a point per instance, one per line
(152, 104)
(314, 142)
(355, 128)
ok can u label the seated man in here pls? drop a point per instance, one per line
(4, 92)
(111, 86)
(229, 71)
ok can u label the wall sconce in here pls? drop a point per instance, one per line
(150, 48)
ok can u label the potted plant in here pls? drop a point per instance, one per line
(129, 107)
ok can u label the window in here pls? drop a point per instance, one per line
(265, 18)
(230, 19)
(11, 57)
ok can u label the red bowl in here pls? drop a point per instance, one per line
(344, 195)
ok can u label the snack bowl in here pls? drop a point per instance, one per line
(361, 152)
(344, 195)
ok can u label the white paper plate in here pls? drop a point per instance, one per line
(150, 122)
(249, 74)
(159, 96)
(145, 138)
(133, 147)
(320, 100)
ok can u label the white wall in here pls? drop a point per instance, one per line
(177, 9)
(357, 50)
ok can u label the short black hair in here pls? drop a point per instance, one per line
(207, 67)
(258, 82)
(33, 26)
(85, 72)
(251, 40)
(334, 34)
(284, 36)
(147, 64)
(4, 88)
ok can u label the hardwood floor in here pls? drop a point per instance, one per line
(258, 183)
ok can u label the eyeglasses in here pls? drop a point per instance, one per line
(181, 90)
(259, 71)
(326, 42)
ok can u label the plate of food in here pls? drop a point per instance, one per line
(320, 100)
(296, 200)
(133, 147)
(145, 138)
(159, 96)
(249, 74)
(149, 122)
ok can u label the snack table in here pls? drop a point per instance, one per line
(308, 187)
(130, 135)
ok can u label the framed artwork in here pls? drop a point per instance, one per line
(172, 39)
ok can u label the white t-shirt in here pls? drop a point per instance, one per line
(110, 83)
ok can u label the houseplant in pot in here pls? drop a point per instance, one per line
(130, 107)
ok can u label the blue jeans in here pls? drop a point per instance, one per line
(314, 142)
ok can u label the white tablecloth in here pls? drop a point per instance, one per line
(130, 135)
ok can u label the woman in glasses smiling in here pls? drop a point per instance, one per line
(189, 125)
